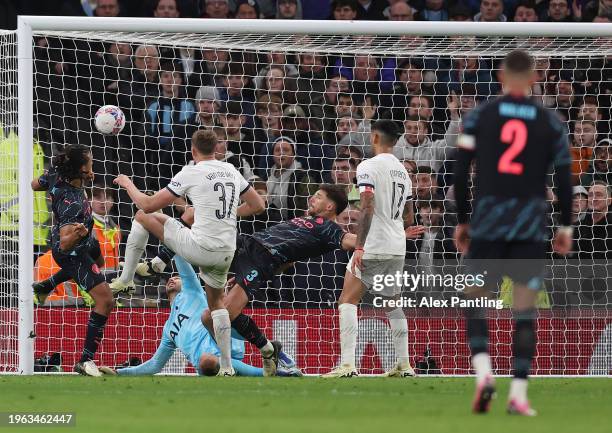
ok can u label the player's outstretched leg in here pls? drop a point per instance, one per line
(523, 349)
(103, 297)
(270, 350)
(399, 334)
(134, 249)
(478, 340)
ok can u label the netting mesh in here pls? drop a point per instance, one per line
(8, 201)
(318, 94)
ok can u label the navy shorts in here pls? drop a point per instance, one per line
(523, 262)
(253, 265)
(82, 267)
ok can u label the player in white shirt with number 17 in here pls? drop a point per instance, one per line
(385, 192)
(215, 189)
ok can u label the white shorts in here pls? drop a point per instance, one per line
(214, 265)
(374, 271)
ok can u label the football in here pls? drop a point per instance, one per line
(109, 120)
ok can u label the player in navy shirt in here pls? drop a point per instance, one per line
(71, 240)
(515, 142)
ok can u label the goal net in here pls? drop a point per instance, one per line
(293, 110)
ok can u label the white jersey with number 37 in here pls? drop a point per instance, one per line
(387, 178)
(214, 188)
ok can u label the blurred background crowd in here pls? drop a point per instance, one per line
(291, 120)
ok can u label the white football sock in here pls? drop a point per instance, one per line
(348, 333)
(223, 331)
(158, 265)
(134, 248)
(518, 390)
(482, 365)
(399, 334)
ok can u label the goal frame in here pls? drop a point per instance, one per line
(27, 25)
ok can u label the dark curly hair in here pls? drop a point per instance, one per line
(69, 162)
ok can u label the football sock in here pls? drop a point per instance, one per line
(247, 327)
(399, 334)
(95, 331)
(223, 331)
(348, 333)
(134, 248)
(478, 340)
(524, 342)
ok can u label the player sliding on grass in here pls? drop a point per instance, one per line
(380, 250)
(215, 189)
(514, 141)
(72, 243)
(184, 331)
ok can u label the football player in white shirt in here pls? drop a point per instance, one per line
(385, 191)
(215, 189)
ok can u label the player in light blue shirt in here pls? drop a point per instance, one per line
(184, 331)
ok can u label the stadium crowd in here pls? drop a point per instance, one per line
(292, 121)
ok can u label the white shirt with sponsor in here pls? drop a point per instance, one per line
(387, 177)
(214, 188)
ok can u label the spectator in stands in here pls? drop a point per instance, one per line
(466, 102)
(468, 70)
(435, 246)
(276, 83)
(371, 10)
(401, 11)
(345, 10)
(352, 152)
(166, 9)
(268, 113)
(415, 144)
(459, 12)
(209, 69)
(216, 9)
(289, 9)
(240, 140)
(346, 125)
(247, 9)
(580, 205)
(544, 86)
(289, 186)
(491, 11)
(238, 87)
(525, 12)
(434, 11)
(222, 153)
(566, 97)
(581, 150)
(595, 232)
(311, 151)
(601, 167)
(207, 105)
(426, 185)
(602, 19)
(589, 110)
(365, 73)
(558, 11)
(263, 220)
(343, 172)
(166, 143)
(421, 107)
(348, 219)
(310, 82)
(107, 8)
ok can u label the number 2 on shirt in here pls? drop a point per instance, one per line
(514, 133)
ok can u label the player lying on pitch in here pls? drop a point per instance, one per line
(184, 331)
(259, 257)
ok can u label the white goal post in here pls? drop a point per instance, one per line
(389, 38)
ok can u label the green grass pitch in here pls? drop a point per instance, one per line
(250, 405)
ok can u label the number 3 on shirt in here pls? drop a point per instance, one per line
(514, 133)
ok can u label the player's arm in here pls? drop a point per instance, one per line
(36, 186)
(159, 200)
(71, 234)
(411, 230)
(44, 181)
(155, 364)
(189, 279)
(252, 204)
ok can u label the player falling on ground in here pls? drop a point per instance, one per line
(184, 331)
(385, 191)
(71, 241)
(514, 142)
(215, 189)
